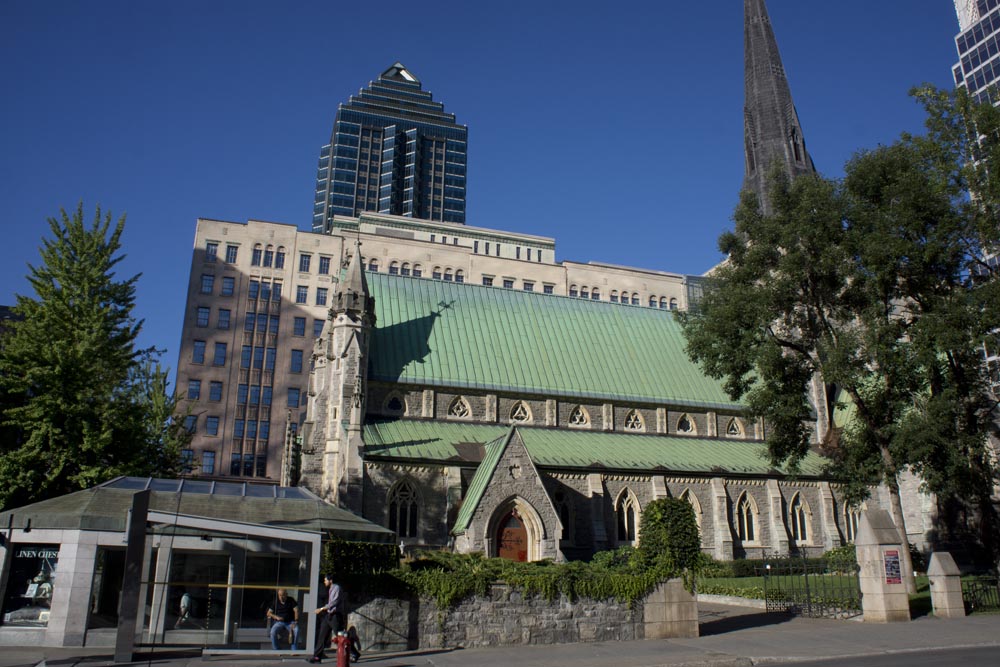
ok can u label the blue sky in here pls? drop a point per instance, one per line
(614, 127)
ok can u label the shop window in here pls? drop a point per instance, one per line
(28, 600)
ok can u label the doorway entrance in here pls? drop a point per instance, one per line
(512, 538)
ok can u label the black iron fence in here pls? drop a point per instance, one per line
(981, 594)
(810, 587)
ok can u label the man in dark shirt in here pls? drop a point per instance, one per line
(284, 615)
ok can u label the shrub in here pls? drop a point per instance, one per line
(842, 559)
(670, 539)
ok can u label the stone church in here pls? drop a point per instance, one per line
(530, 425)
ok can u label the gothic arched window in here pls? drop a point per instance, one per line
(626, 516)
(633, 421)
(402, 504)
(520, 412)
(579, 416)
(746, 519)
(459, 409)
(685, 424)
(852, 517)
(798, 519)
(692, 500)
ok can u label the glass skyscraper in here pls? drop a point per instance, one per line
(978, 46)
(393, 150)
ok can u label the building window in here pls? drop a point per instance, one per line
(579, 417)
(798, 519)
(733, 428)
(614, 296)
(324, 266)
(321, 296)
(248, 321)
(269, 356)
(232, 252)
(673, 304)
(652, 302)
(529, 286)
(663, 302)
(301, 294)
(211, 251)
(529, 254)
(520, 413)
(517, 252)
(548, 289)
(299, 326)
(245, 354)
(635, 298)
(234, 468)
(202, 319)
(239, 429)
(459, 276)
(191, 424)
(436, 273)
(304, 261)
(626, 514)
(207, 283)
(224, 317)
(574, 291)
(393, 268)
(447, 275)
(404, 270)
(187, 461)
(258, 357)
(228, 286)
(633, 421)
(508, 283)
(293, 397)
(394, 405)
(488, 281)
(220, 355)
(852, 518)
(685, 424)
(402, 503)
(212, 425)
(253, 290)
(273, 325)
(214, 391)
(746, 519)
(194, 389)
(565, 516)
(373, 265)
(262, 465)
(279, 258)
(241, 394)
(296, 361)
(208, 463)
(418, 270)
(595, 294)
(584, 292)
(268, 256)
(198, 353)
(255, 255)
(459, 409)
(487, 247)
(475, 247)
(318, 328)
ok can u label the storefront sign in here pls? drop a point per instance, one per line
(893, 571)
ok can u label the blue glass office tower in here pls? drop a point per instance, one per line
(393, 150)
(978, 45)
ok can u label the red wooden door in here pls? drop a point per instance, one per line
(512, 539)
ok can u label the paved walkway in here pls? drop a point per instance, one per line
(731, 637)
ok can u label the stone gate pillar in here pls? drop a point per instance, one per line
(884, 598)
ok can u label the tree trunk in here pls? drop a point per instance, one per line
(896, 510)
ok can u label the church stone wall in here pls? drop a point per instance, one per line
(431, 484)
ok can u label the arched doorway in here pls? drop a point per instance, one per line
(512, 538)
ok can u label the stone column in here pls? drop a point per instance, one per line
(828, 516)
(661, 420)
(492, 401)
(427, 404)
(776, 510)
(723, 549)
(608, 417)
(711, 425)
(946, 586)
(71, 592)
(670, 611)
(551, 412)
(595, 489)
(659, 487)
(884, 598)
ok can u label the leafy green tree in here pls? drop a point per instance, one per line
(79, 403)
(875, 284)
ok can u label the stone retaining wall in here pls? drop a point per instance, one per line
(505, 617)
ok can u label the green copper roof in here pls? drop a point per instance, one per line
(491, 339)
(484, 473)
(458, 443)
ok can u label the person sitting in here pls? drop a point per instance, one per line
(284, 617)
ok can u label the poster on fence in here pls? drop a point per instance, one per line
(893, 571)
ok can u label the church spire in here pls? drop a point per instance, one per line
(352, 293)
(770, 123)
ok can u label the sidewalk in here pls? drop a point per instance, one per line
(731, 637)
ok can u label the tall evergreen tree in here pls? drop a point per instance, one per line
(79, 403)
(875, 284)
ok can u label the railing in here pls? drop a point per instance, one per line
(810, 587)
(981, 594)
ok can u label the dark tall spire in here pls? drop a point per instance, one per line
(770, 123)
